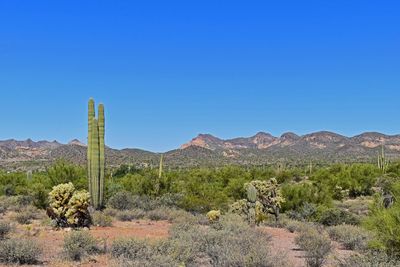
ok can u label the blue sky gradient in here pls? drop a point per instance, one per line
(168, 70)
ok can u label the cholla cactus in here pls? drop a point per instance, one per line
(268, 201)
(68, 207)
(213, 215)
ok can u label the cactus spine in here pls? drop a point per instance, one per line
(95, 155)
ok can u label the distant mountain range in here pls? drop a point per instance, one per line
(208, 150)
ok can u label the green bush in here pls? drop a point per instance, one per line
(316, 245)
(5, 229)
(352, 237)
(336, 216)
(101, 219)
(19, 251)
(79, 244)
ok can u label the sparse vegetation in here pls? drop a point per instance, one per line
(19, 251)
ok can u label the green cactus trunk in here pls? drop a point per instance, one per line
(95, 155)
(91, 116)
(101, 126)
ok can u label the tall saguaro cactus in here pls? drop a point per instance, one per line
(95, 155)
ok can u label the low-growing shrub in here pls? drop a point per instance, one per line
(122, 200)
(369, 259)
(129, 215)
(101, 219)
(110, 212)
(136, 252)
(5, 229)
(228, 242)
(316, 245)
(352, 237)
(307, 212)
(79, 244)
(336, 216)
(25, 216)
(19, 251)
(295, 226)
(159, 214)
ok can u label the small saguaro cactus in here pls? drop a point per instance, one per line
(95, 155)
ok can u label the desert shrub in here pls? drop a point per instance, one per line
(26, 215)
(122, 200)
(129, 215)
(359, 206)
(316, 245)
(138, 253)
(352, 237)
(40, 194)
(170, 200)
(19, 251)
(23, 217)
(295, 226)
(336, 216)
(79, 244)
(228, 242)
(15, 203)
(369, 259)
(160, 214)
(101, 219)
(69, 207)
(110, 212)
(5, 229)
(305, 213)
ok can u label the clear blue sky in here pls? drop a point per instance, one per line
(168, 70)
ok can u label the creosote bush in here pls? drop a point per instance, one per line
(19, 251)
(79, 244)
